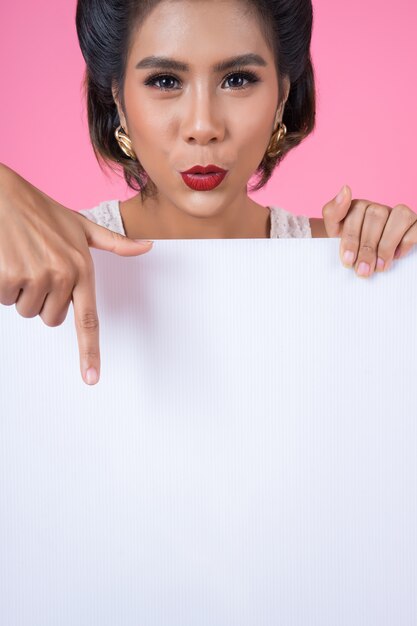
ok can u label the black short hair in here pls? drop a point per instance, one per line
(105, 30)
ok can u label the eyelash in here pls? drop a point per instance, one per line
(251, 77)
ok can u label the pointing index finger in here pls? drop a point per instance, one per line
(87, 327)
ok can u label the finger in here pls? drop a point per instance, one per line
(29, 296)
(55, 308)
(105, 239)
(399, 236)
(335, 211)
(10, 294)
(30, 300)
(376, 217)
(351, 233)
(87, 326)
(362, 231)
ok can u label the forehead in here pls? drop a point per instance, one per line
(199, 31)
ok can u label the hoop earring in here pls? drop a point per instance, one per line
(125, 143)
(273, 149)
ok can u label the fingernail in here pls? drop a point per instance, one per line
(339, 197)
(363, 269)
(348, 257)
(380, 264)
(91, 376)
(144, 242)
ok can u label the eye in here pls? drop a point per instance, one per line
(166, 78)
(167, 81)
(250, 77)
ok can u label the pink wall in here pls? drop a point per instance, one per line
(365, 55)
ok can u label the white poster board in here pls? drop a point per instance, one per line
(248, 458)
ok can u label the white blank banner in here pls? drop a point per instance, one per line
(248, 458)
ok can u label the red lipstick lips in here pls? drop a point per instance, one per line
(203, 178)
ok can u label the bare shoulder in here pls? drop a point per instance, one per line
(318, 230)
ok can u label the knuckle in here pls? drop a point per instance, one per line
(376, 210)
(63, 282)
(373, 211)
(52, 322)
(54, 319)
(6, 300)
(7, 288)
(351, 237)
(83, 261)
(116, 239)
(359, 206)
(10, 278)
(402, 208)
(24, 313)
(11, 283)
(60, 319)
(117, 236)
(405, 213)
(36, 282)
(89, 321)
(368, 249)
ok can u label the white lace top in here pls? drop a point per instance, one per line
(283, 224)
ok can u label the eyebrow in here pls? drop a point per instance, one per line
(167, 63)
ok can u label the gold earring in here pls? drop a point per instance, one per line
(125, 143)
(273, 150)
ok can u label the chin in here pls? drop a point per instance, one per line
(203, 204)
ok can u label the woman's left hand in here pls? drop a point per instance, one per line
(374, 234)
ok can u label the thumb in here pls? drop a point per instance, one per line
(335, 211)
(105, 239)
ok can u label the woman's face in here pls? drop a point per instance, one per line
(196, 114)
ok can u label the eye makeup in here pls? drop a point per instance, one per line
(250, 77)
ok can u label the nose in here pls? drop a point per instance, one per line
(202, 121)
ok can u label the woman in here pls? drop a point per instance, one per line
(227, 86)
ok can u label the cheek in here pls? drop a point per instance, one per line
(143, 119)
(252, 137)
(150, 137)
(144, 123)
(256, 132)
(253, 120)
(252, 134)
(148, 132)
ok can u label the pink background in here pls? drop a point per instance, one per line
(365, 57)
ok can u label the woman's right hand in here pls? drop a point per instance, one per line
(45, 261)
